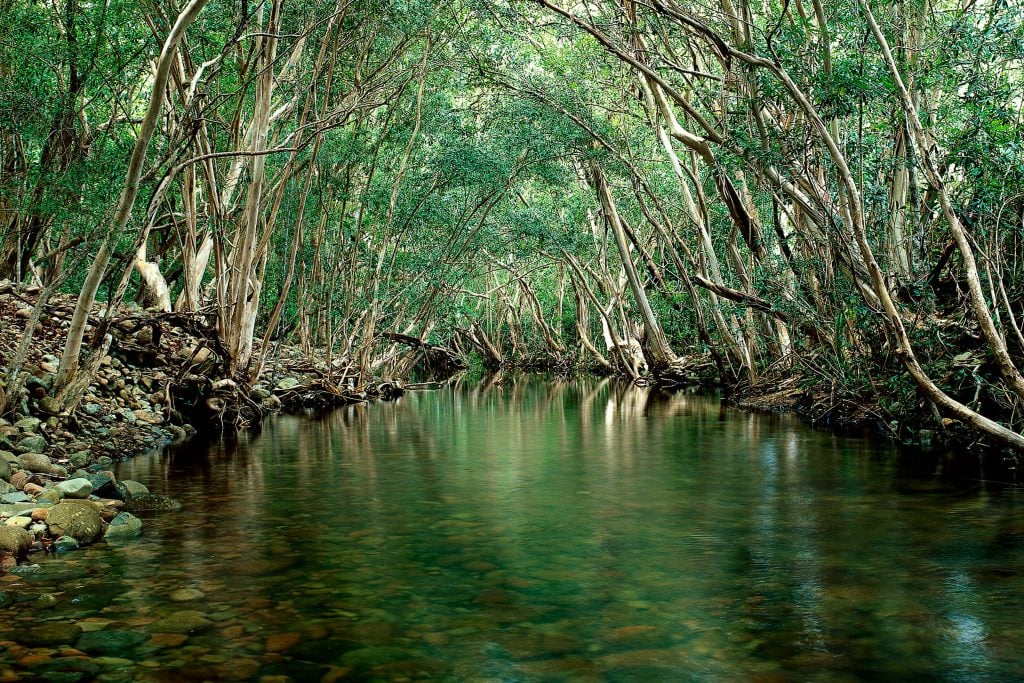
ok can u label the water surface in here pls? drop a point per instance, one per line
(541, 531)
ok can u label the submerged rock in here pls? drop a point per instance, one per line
(49, 635)
(187, 621)
(186, 595)
(109, 642)
(78, 519)
(124, 525)
(375, 656)
(152, 502)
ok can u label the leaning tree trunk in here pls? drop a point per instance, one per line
(69, 362)
(664, 362)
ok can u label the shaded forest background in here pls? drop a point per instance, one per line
(813, 203)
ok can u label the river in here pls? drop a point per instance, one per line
(537, 530)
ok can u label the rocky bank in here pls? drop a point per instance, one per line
(161, 381)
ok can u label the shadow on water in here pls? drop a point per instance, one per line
(522, 529)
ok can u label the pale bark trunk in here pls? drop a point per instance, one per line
(69, 363)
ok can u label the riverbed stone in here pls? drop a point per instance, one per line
(32, 444)
(75, 488)
(186, 621)
(6, 487)
(152, 502)
(78, 519)
(50, 635)
(35, 462)
(185, 594)
(109, 642)
(368, 657)
(14, 541)
(124, 525)
(287, 383)
(15, 497)
(279, 642)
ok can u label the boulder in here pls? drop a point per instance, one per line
(5, 470)
(20, 522)
(78, 519)
(124, 525)
(32, 444)
(75, 488)
(6, 488)
(14, 541)
(35, 462)
(9, 457)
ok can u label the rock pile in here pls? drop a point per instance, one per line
(42, 507)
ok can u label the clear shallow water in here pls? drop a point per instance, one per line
(532, 531)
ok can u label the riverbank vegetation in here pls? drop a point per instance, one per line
(813, 205)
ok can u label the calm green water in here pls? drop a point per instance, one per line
(536, 531)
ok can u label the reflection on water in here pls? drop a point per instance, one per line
(535, 531)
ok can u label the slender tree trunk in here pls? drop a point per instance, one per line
(69, 362)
